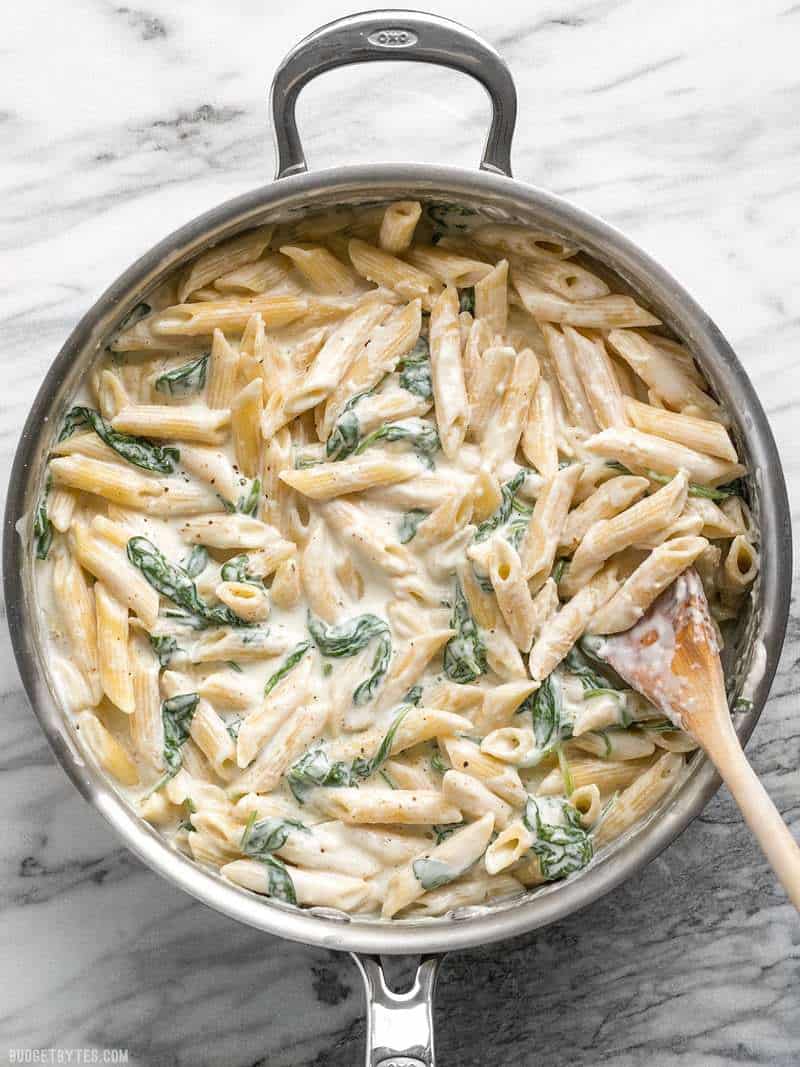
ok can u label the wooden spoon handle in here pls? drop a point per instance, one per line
(760, 814)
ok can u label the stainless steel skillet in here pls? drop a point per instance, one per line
(400, 1025)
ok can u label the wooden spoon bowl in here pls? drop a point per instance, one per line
(671, 656)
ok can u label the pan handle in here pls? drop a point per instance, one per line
(399, 1025)
(393, 35)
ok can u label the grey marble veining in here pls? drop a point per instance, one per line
(677, 122)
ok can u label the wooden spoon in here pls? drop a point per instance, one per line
(671, 656)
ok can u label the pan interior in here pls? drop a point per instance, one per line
(489, 199)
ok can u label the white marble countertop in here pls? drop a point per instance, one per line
(677, 122)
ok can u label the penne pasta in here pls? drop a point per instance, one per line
(447, 373)
(702, 435)
(223, 258)
(647, 582)
(112, 649)
(491, 298)
(328, 480)
(544, 530)
(504, 431)
(398, 224)
(606, 537)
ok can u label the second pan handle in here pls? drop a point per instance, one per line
(393, 35)
(399, 1025)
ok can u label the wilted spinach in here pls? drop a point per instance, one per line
(721, 492)
(288, 665)
(175, 584)
(562, 847)
(188, 378)
(164, 647)
(235, 570)
(409, 523)
(136, 450)
(421, 435)
(42, 526)
(415, 371)
(316, 769)
(346, 432)
(196, 562)
(464, 654)
(345, 638)
(248, 502)
(177, 714)
(505, 509)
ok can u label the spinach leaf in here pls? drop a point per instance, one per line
(561, 843)
(177, 714)
(188, 810)
(288, 664)
(136, 450)
(591, 680)
(188, 378)
(433, 873)
(517, 524)
(175, 584)
(566, 773)
(42, 527)
(722, 492)
(409, 522)
(466, 300)
(365, 691)
(664, 726)
(346, 638)
(196, 562)
(164, 647)
(557, 572)
(464, 654)
(443, 832)
(279, 881)
(421, 435)
(302, 462)
(547, 713)
(344, 437)
(620, 468)
(365, 768)
(263, 836)
(414, 695)
(346, 431)
(315, 768)
(136, 314)
(415, 371)
(234, 666)
(449, 216)
(386, 777)
(248, 503)
(235, 570)
(503, 513)
(438, 764)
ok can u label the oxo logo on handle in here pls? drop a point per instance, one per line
(393, 38)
